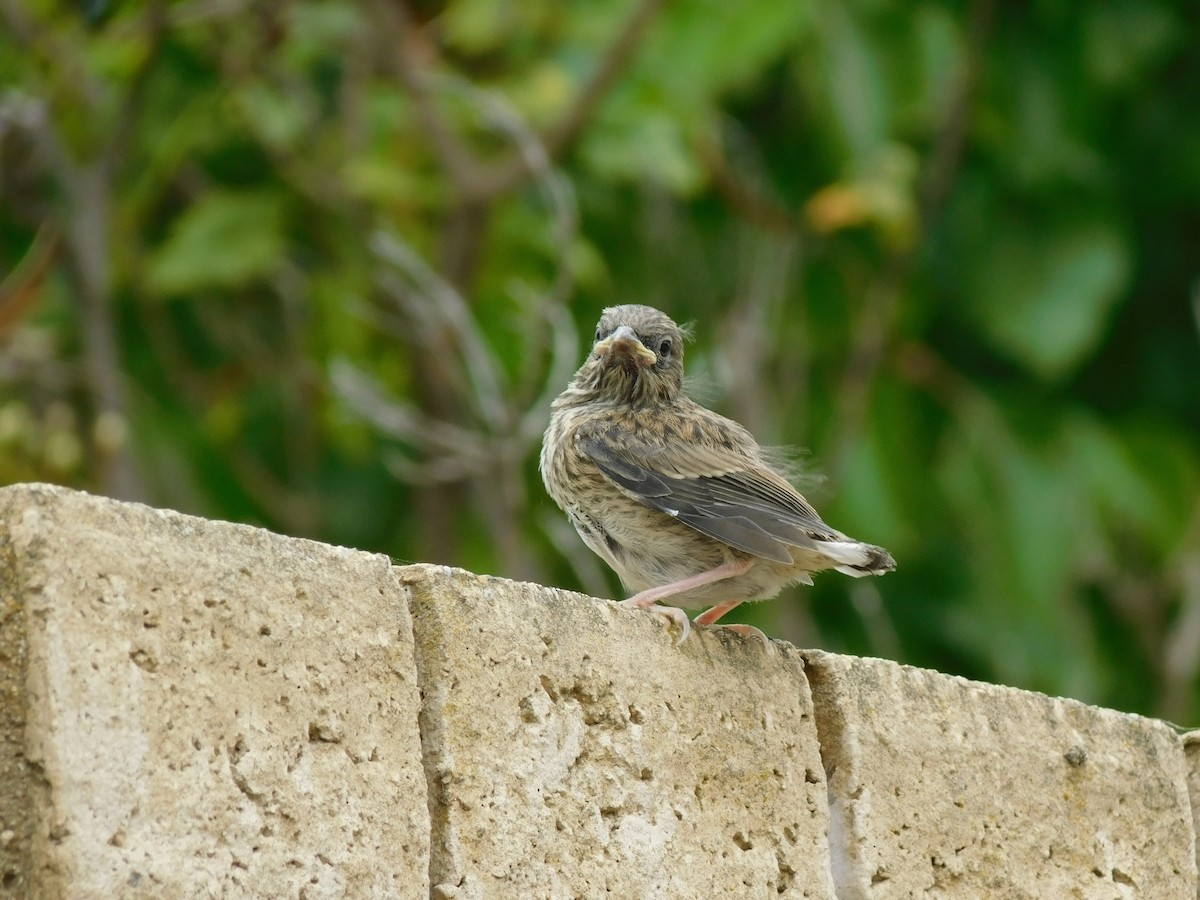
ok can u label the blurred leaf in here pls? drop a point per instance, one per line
(882, 193)
(1046, 298)
(1122, 39)
(549, 89)
(1126, 502)
(380, 180)
(887, 488)
(866, 507)
(701, 50)
(1017, 504)
(479, 26)
(705, 48)
(644, 145)
(1168, 460)
(224, 239)
(855, 84)
(1037, 121)
(319, 29)
(280, 119)
(938, 64)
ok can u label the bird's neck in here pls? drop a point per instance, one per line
(622, 393)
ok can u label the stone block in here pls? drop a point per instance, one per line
(573, 750)
(1191, 749)
(191, 709)
(944, 787)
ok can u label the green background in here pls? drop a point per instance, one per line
(321, 266)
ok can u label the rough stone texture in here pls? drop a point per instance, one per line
(1191, 749)
(943, 787)
(573, 750)
(191, 708)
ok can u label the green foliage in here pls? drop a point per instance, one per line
(223, 240)
(323, 266)
(1046, 301)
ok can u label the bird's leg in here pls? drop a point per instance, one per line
(748, 631)
(728, 569)
(648, 599)
(711, 616)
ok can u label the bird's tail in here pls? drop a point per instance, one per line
(857, 559)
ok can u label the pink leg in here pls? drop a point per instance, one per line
(728, 569)
(708, 618)
(648, 599)
(748, 631)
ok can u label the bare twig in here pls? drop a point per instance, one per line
(446, 470)
(1180, 653)
(439, 309)
(477, 181)
(564, 355)
(874, 323)
(1196, 305)
(750, 328)
(612, 64)
(882, 634)
(69, 65)
(404, 422)
(744, 198)
(436, 303)
(547, 307)
(20, 289)
(537, 160)
(32, 116)
(461, 165)
(86, 185)
(155, 22)
(460, 377)
(943, 162)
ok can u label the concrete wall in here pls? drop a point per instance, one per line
(194, 709)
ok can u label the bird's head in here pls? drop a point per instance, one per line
(637, 357)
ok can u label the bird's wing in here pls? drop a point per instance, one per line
(715, 487)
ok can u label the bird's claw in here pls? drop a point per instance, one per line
(679, 617)
(676, 615)
(750, 633)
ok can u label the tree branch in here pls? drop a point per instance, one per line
(874, 323)
(156, 22)
(943, 161)
(748, 202)
(20, 289)
(476, 180)
(464, 169)
(611, 66)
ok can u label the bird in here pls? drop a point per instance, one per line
(680, 501)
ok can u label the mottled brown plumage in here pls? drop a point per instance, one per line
(680, 501)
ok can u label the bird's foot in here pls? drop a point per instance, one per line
(750, 633)
(676, 615)
(709, 617)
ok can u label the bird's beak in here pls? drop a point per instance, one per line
(624, 342)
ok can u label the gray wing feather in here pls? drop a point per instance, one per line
(741, 508)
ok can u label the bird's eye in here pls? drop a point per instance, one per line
(664, 347)
(598, 332)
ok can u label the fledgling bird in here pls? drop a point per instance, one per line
(680, 501)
